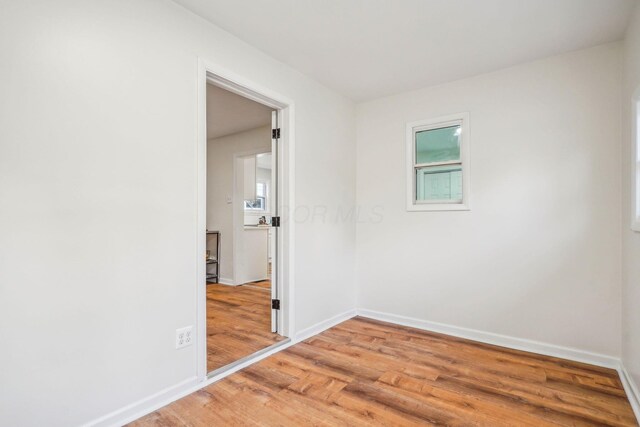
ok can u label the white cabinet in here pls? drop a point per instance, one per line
(253, 255)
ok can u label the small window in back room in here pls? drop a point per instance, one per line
(260, 203)
(438, 165)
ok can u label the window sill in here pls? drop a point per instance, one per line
(438, 207)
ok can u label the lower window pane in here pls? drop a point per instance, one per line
(439, 183)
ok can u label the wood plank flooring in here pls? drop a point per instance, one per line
(364, 372)
(238, 322)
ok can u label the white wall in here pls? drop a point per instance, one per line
(97, 192)
(538, 255)
(220, 158)
(630, 239)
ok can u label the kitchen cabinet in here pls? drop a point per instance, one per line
(253, 254)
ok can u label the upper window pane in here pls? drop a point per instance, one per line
(438, 145)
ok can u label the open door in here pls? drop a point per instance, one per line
(275, 222)
(252, 301)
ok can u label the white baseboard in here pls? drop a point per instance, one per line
(631, 389)
(147, 405)
(324, 325)
(170, 394)
(164, 397)
(226, 281)
(497, 339)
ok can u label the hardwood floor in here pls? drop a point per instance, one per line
(238, 323)
(364, 372)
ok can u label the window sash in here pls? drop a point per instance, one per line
(418, 166)
(436, 167)
(447, 163)
(412, 166)
(446, 152)
(441, 125)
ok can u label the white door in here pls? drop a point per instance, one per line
(275, 222)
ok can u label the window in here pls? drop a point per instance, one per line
(635, 219)
(260, 203)
(437, 164)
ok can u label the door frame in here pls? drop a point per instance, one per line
(285, 249)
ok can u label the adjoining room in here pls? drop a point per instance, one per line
(241, 242)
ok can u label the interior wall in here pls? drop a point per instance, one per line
(220, 158)
(538, 255)
(630, 239)
(98, 131)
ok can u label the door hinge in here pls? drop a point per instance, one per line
(275, 304)
(275, 221)
(275, 133)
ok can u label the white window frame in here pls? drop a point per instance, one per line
(249, 210)
(414, 205)
(635, 167)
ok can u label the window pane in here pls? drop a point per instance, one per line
(438, 145)
(439, 183)
(257, 204)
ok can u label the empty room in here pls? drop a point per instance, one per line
(319, 213)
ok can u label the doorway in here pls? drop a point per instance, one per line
(245, 304)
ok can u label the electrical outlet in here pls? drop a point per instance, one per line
(184, 337)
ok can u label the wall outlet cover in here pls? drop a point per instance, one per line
(184, 337)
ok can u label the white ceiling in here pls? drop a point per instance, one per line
(228, 113)
(365, 49)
